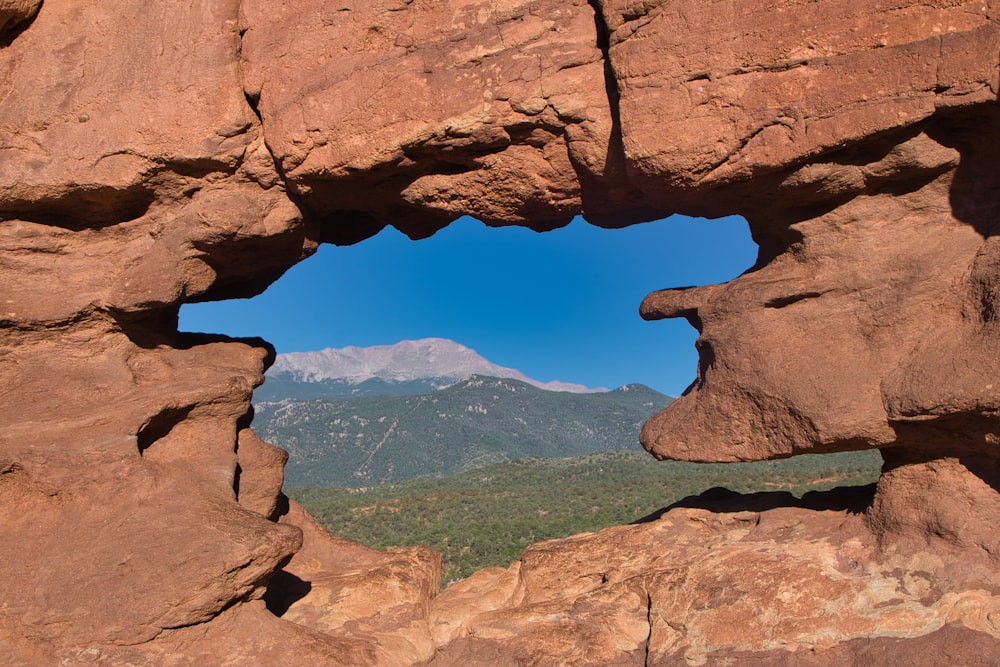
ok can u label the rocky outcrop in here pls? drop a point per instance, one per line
(157, 153)
(14, 14)
(707, 582)
(497, 110)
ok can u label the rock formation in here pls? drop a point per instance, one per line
(156, 153)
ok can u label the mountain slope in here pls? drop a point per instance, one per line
(408, 367)
(479, 421)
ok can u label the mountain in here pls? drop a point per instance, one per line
(476, 422)
(406, 368)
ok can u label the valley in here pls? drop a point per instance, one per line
(411, 445)
(477, 422)
(487, 516)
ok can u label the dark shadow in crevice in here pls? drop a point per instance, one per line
(852, 499)
(969, 438)
(85, 208)
(237, 473)
(706, 362)
(283, 590)
(346, 227)
(281, 508)
(245, 421)
(784, 301)
(236, 279)
(253, 101)
(160, 425)
(186, 341)
(974, 134)
(147, 329)
(12, 30)
(616, 147)
(611, 200)
(152, 329)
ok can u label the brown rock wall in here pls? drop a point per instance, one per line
(497, 110)
(700, 586)
(157, 153)
(357, 593)
(130, 526)
(756, 331)
(775, 83)
(95, 102)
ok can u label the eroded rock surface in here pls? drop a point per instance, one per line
(700, 585)
(498, 110)
(157, 153)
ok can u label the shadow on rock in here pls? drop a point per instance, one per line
(853, 499)
(284, 590)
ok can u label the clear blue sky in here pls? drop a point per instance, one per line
(561, 305)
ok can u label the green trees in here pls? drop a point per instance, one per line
(478, 422)
(487, 516)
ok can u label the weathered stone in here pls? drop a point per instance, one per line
(259, 474)
(133, 525)
(14, 13)
(346, 590)
(699, 585)
(89, 123)
(497, 110)
(770, 84)
(155, 153)
(893, 280)
(245, 634)
(783, 395)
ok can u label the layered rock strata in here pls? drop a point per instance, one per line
(157, 153)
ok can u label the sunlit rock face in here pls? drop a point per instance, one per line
(891, 281)
(155, 153)
(499, 110)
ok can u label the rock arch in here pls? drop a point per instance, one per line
(160, 153)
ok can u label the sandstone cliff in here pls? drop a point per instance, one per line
(156, 153)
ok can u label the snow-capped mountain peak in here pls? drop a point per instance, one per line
(430, 358)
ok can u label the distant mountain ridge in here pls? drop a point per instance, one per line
(476, 422)
(408, 367)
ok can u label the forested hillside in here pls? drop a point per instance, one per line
(477, 422)
(487, 516)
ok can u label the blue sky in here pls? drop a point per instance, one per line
(560, 305)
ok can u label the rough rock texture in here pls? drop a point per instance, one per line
(756, 330)
(497, 110)
(14, 14)
(359, 593)
(156, 153)
(773, 83)
(701, 585)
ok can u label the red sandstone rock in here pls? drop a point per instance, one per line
(133, 526)
(247, 634)
(781, 394)
(492, 110)
(699, 586)
(89, 123)
(135, 175)
(357, 593)
(259, 474)
(890, 372)
(773, 83)
(14, 13)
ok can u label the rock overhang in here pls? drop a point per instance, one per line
(168, 154)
